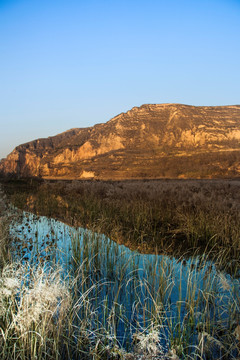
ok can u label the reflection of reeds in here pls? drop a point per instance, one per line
(146, 214)
(113, 307)
(46, 316)
(112, 302)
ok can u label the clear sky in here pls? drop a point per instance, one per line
(74, 63)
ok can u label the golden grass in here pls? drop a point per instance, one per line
(47, 316)
(145, 215)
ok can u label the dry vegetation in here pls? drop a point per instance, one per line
(47, 316)
(4, 223)
(150, 216)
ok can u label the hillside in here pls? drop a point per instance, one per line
(150, 141)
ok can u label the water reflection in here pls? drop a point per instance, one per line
(134, 291)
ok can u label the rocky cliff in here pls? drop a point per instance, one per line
(150, 141)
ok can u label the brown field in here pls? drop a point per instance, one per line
(147, 215)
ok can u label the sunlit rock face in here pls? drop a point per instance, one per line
(150, 141)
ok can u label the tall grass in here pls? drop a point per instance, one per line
(44, 316)
(146, 215)
(105, 303)
(4, 223)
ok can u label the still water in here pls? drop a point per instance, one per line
(142, 290)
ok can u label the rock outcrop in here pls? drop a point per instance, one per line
(150, 141)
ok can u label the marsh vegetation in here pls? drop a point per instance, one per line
(149, 216)
(71, 293)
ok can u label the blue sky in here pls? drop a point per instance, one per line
(74, 63)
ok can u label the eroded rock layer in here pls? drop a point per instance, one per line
(150, 141)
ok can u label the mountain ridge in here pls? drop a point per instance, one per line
(150, 141)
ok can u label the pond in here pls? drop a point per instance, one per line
(193, 306)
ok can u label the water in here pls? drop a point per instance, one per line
(135, 292)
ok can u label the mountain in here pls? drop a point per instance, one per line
(150, 141)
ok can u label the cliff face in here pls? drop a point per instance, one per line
(165, 140)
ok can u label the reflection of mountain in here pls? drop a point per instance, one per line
(166, 140)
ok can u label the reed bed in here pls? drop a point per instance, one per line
(4, 226)
(46, 317)
(145, 215)
(105, 303)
